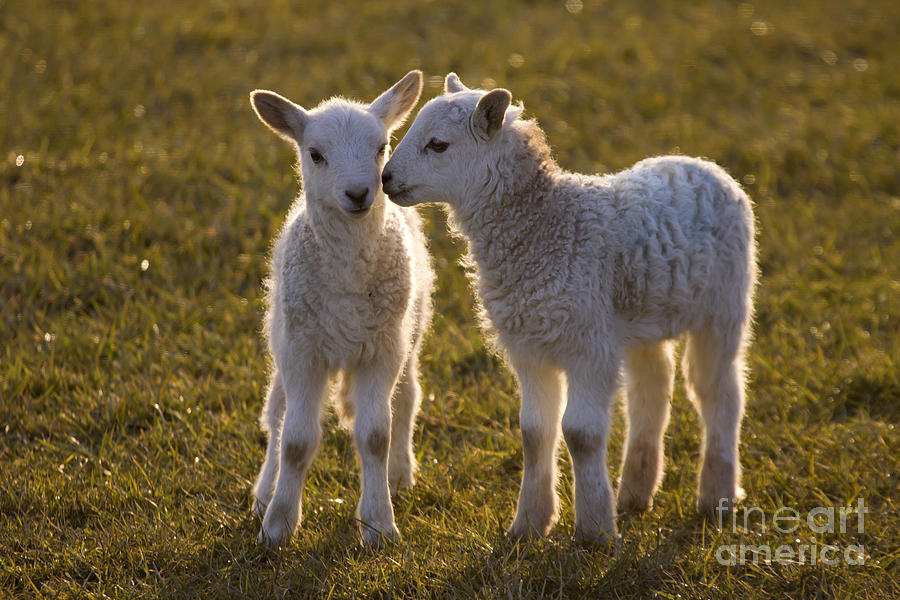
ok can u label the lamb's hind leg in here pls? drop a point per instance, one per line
(714, 371)
(407, 397)
(649, 374)
(304, 387)
(271, 420)
(539, 420)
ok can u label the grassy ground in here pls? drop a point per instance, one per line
(138, 196)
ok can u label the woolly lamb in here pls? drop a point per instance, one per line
(577, 273)
(349, 296)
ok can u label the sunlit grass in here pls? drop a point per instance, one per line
(138, 198)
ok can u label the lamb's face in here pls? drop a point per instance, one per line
(447, 153)
(341, 156)
(341, 144)
(433, 158)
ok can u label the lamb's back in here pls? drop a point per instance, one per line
(681, 227)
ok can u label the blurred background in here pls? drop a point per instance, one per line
(139, 195)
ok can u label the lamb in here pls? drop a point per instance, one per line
(578, 274)
(349, 299)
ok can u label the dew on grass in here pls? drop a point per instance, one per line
(20, 160)
(861, 65)
(516, 60)
(574, 6)
(145, 264)
(759, 28)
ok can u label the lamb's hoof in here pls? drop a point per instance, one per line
(273, 537)
(627, 504)
(716, 510)
(379, 538)
(523, 530)
(716, 504)
(277, 528)
(595, 535)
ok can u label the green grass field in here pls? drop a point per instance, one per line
(138, 198)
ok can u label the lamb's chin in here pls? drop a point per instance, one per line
(357, 213)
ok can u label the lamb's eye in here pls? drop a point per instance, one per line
(381, 150)
(316, 156)
(436, 145)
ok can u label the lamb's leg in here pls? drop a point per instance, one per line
(539, 420)
(407, 397)
(271, 421)
(304, 388)
(372, 386)
(585, 426)
(714, 371)
(649, 376)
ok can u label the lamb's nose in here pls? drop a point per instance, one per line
(385, 177)
(358, 195)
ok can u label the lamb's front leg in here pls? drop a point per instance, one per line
(304, 387)
(539, 416)
(372, 386)
(585, 426)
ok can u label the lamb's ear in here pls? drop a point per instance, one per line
(281, 115)
(453, 84)
(393, 106)
(490, 112)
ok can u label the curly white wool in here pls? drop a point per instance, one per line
(349, 297)
(578, 274)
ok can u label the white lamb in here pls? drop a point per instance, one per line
(577, 273)
(349, 296)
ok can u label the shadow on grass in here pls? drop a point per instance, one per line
(234, 564)
(875, 397)
(638, 563)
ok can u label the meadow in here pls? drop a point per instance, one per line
(138, 198)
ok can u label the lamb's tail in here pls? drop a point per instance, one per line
(343, 403)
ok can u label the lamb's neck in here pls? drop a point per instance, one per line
(500, 223)
(349, 246)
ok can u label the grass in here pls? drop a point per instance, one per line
(138, 198)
